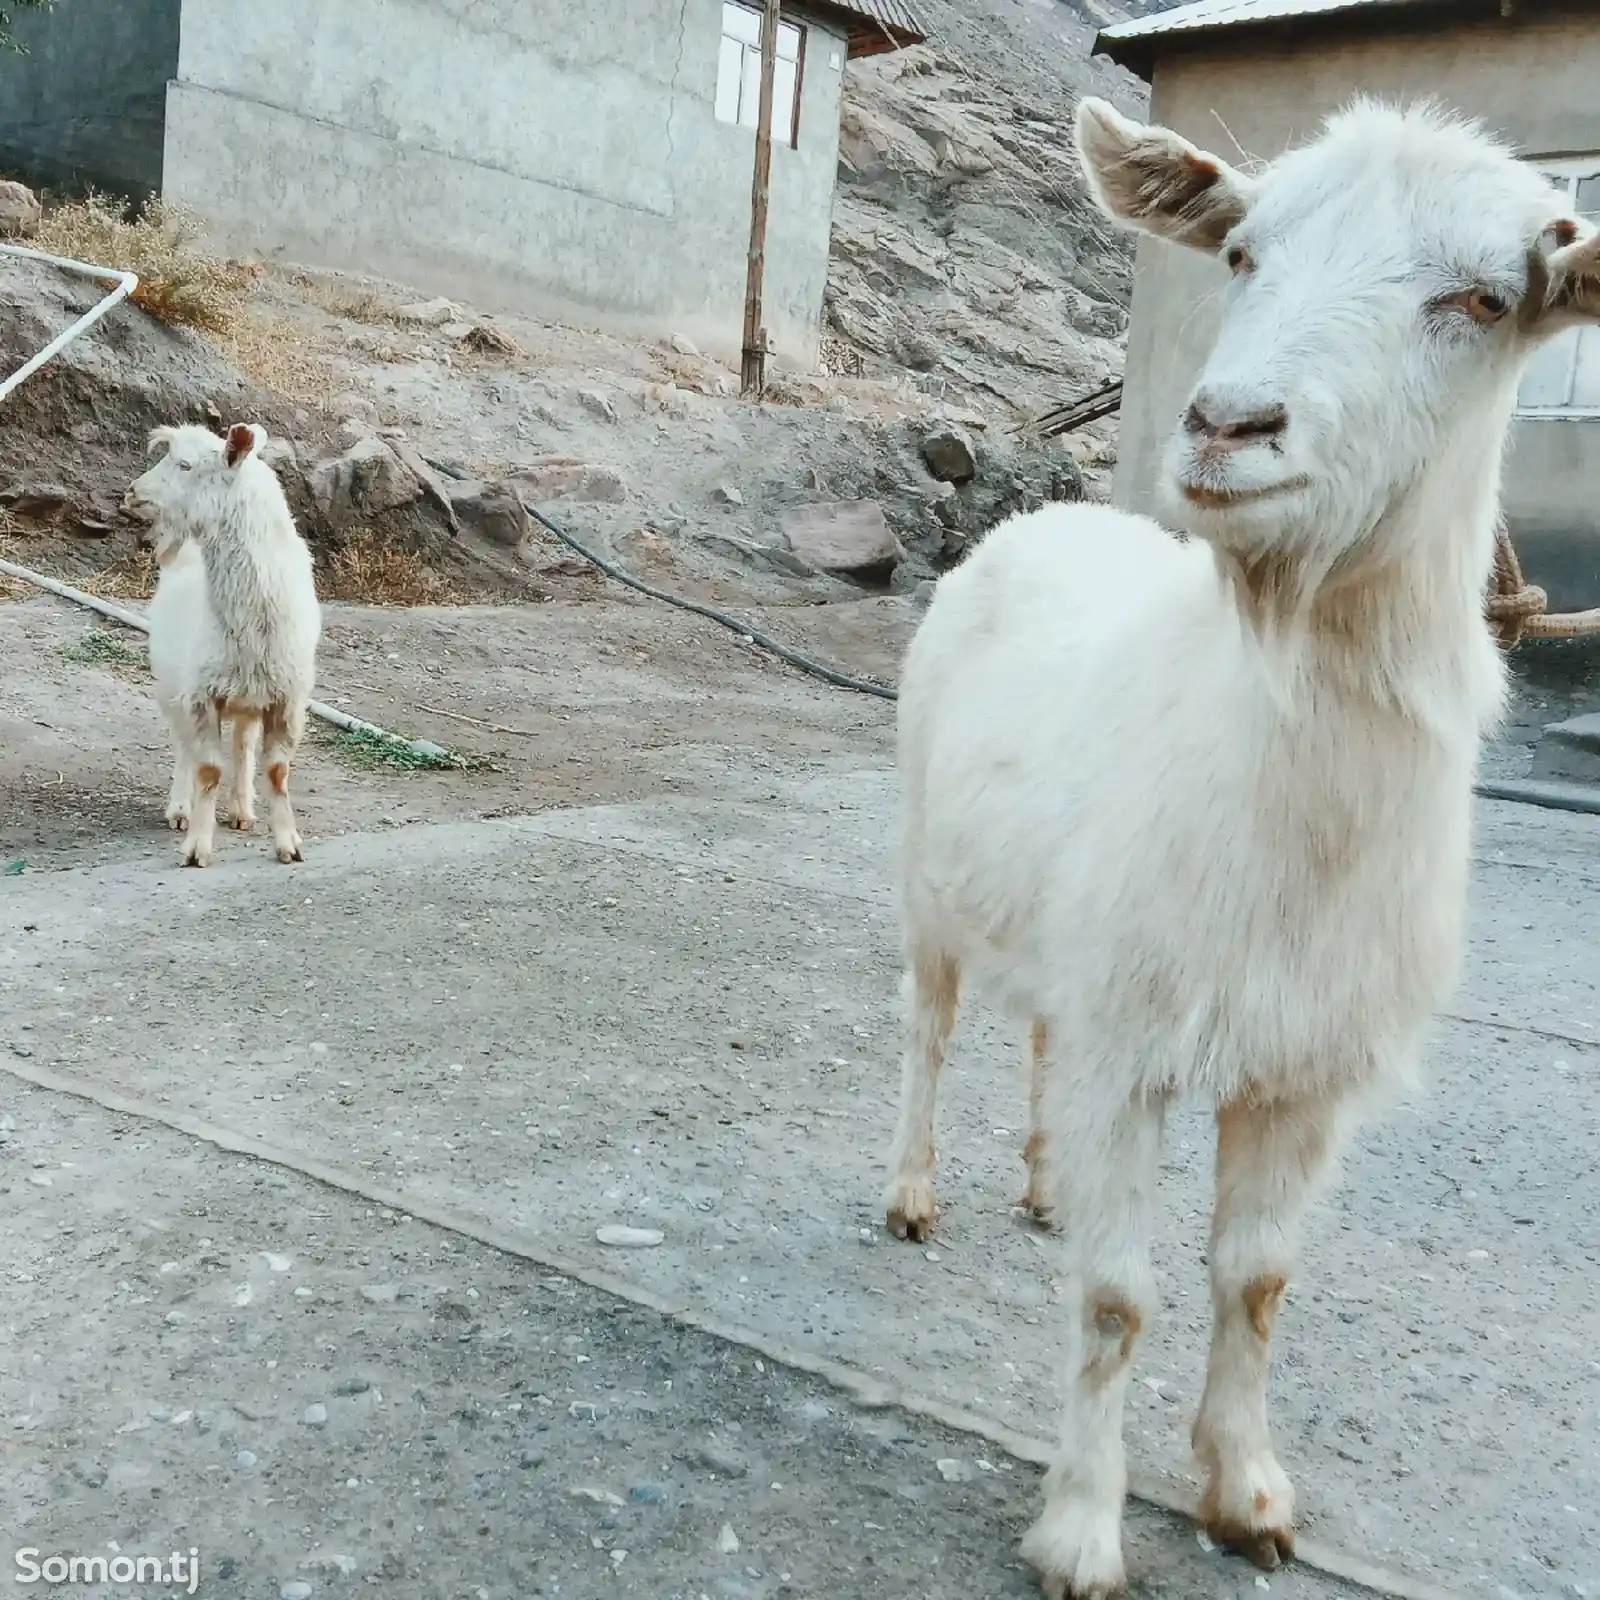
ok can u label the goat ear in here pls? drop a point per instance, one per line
(1572, 287)
(1150, 178)
(158, 438)
(241, 441)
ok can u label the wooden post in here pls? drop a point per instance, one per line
(753, 373)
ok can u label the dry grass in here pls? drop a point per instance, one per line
(130, 577)
(178, 281)
(274, 352)
(368, 572)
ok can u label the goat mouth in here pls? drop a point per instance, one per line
(1214, 499)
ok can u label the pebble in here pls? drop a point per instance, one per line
(316, 1416)
(297, 1590)
(728, 1540)
(601, 1497)
(276, 1263)
(380, 1294)
(351, 1386)
(246, 1458)
(629, 1238)
(716, 1458)
(329, 1561)
(953, 1471)
(646, 1494)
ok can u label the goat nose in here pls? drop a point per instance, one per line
(1230, 424)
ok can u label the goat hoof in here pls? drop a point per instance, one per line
(1267, 1548)
(912, 1212)
(1041, 1216)
(192, 858)
(1076, 1549)
(241, 824)
(289, 852)
(178, 821)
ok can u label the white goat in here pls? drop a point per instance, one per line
(1198, 812)
(234, 627)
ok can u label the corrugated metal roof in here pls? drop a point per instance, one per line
(1208, 14)
(874, 26)
(1139, 44)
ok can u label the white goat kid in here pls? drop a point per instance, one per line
(1211, 836)
(234, 627)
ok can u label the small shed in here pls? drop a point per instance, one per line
(588, 162)
(1260, 75)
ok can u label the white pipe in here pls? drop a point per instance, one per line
(126, 283)
(132, 619)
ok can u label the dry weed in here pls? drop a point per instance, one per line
(274, 352)
(178, 281)
(365, 571)
(129, 577)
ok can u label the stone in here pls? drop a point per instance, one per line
(315, 1416)
(717, 1458)
(950, 456)
(295, 1591)
(728, 495)
(487, 341)
(20, 210)
(684, 347)
(844, 536)
(379, 1294)
(367, 479)
(1569, 752)
(565, 478)
(623, 1238)
(430, 313)
(597, 404)
(728, 1540)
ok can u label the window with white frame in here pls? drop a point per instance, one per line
(739, 73)
(1563, 379)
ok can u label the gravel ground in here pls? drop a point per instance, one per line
(318, 1396)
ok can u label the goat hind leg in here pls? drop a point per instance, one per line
(932, 992)
(1269, 1158)
(282, 728)
(1036, 1196)
(242, 806)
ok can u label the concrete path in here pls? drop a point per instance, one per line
(679, 1015)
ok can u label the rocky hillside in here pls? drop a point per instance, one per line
(966, 251)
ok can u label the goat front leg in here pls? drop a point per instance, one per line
(203, 736)
(180, 793)
(1269, 1158)
(1036, 1196)
(1105, 1183)
(282, 729)
(242, 806)
(932, 994)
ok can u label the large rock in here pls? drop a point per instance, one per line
(567, 478)
(369, 478)
(845, 536)
(492, 510)
(1569, 752)
(19, 210)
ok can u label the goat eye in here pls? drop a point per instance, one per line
(185, 466)
(1239, 260)
(1484, 306)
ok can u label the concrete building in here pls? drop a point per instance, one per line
(587, 162)
(1261, 74)
(83, 100)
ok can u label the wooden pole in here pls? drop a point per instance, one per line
(753, 373)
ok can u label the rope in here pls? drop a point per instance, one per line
(1516, 608)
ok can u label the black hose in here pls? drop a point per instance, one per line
(1551, 796)
(817, 669)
